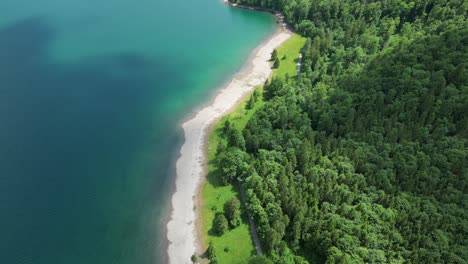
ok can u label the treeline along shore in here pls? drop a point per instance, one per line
(191, 165)
(360, 159)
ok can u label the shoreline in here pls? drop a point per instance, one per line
(183, 234)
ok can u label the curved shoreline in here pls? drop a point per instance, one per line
(190, 166)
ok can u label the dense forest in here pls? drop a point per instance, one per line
(364, 158)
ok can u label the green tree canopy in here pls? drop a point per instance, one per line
(233, 164)
(220, 224)
(232, 211)
(259, 260)
(276, 63)
(364, 158)
(274, 55)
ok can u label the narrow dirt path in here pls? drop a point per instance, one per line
(299, 66)
(253, 229)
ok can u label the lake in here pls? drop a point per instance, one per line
(92, 94)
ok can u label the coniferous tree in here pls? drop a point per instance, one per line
(210, 252)
(232, 211)
(274, 55)
(276, 64)
(220, 224)
(250, 103)
(363, 158)
(235, 139)
(226, 127)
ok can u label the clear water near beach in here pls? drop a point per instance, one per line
(91, 97)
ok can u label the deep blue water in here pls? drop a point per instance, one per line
(90, 104)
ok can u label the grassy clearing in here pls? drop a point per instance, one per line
(238, 241)
(290, 48)
(215, 194)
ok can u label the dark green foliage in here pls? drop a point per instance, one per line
(259, 260)
(250, 103)
(233, 164)
(276, 64)
(274, 88)
(232, 211)
(256, 94)
(227, 127)
(235, 139)
(364, 159)
(252, 100)
(370, 170)
(194, 258)
(210, 251)
(220, 224)
(274, 55)
(221, 148)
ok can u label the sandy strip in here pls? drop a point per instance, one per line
(181, 232)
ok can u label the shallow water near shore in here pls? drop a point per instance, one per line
(92, 94)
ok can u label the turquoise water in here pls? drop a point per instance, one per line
(91, 97)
